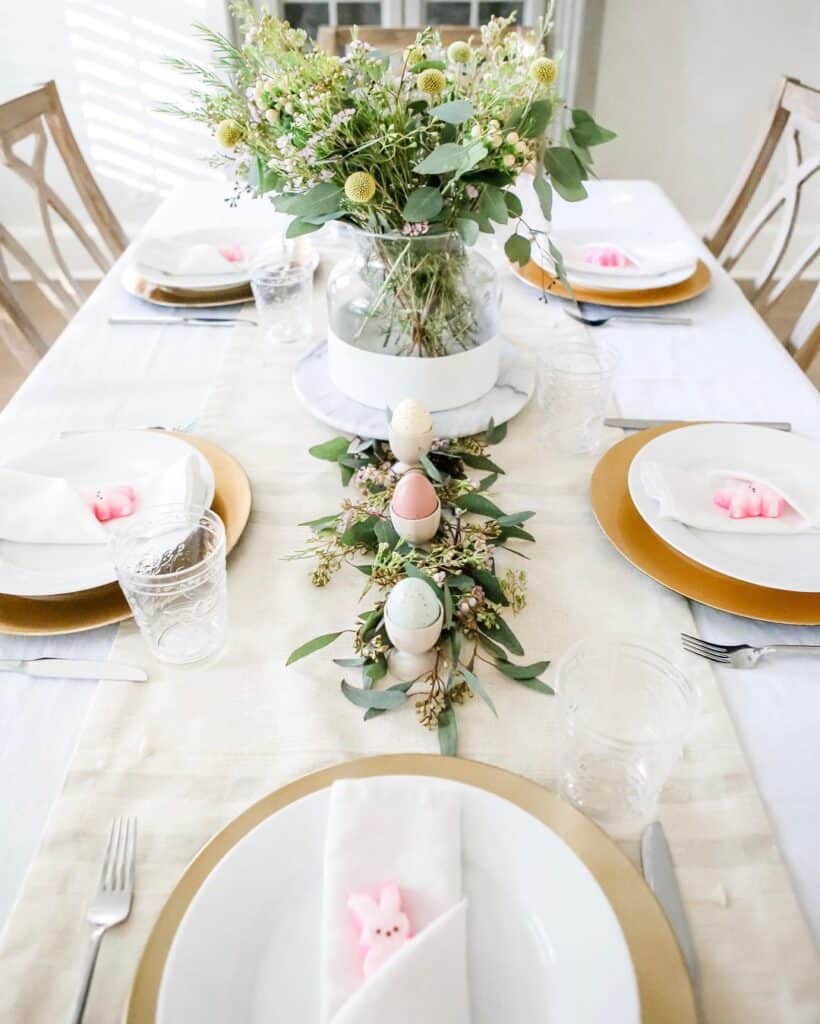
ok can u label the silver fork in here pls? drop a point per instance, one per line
(598, 320)
(112, 902)
(741, 655)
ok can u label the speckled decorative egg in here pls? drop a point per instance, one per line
(412, 604)
(414, 497)
(411, 417)
(411, 433)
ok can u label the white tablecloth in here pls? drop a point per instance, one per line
(728, 365)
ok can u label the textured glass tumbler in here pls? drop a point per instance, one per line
(574, 385)
(623, 713)
(283, 291)
(171, 567)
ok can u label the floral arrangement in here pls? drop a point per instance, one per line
(428, 144)
(459, 565)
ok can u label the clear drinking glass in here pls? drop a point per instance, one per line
(283, 290)
(624, 711)
(171, 567)
(574, 385)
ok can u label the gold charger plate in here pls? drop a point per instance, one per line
(199, 299)
(623, 525)
(86, 609)
(539, 278)
(665, 992)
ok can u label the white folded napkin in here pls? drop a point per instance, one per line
(183, 259)
(402, 830)
(36, 509)
(648, 257)
(688, 496)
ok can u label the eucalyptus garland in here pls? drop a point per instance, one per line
(459, 564)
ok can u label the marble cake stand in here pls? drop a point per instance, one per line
(514, 388)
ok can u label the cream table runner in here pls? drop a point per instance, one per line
(193, 748)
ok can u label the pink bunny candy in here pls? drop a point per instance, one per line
(114, 502)
(607, 256)
(232, 253)
(384, 929)
(745, 499)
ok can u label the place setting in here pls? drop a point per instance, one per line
(453, 736)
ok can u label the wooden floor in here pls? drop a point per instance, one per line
(12, 374)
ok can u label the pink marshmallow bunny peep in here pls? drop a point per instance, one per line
(745, 499)
(608, 256)
(115, 502)
(232, 252)
(384, 929)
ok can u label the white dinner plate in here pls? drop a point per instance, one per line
(784, 562)
(89, 460)
(543, 942)
(253, 241)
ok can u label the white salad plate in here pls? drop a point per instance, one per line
(91, 460)
(543, 942)
(782, 561)
(252, 240)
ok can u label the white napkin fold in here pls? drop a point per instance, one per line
(36, 509)
(404, 830)
(660, 257)
(183, 259)
(688, 496)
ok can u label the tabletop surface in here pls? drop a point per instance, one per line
(727, 365)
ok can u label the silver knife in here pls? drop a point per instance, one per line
(636, 424)
(659, 872)
(69, 668)
(192, 321)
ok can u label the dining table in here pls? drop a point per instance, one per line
(71, 751)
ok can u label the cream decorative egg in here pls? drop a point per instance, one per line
(411, 417)
(411, 433)
(412, 604)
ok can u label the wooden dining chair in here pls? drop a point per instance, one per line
(795, 117)
(39, 115)
(334, 38)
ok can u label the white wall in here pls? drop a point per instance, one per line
(687, 85)
(105, 57)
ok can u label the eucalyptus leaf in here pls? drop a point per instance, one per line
(490, 585)
(477, 503)
(514, 206)
(316, 644)
(422, 204)
(373, 671)
(495, 649)
(537, 685)
(429, 468)
(361, 534)
(515, 533)
(502, 634)
(495, 432)
(375, 712)
(447, 732)
(423, 65)
(514, 518)
(480, 462)
(330, 451)
(565, 173)
(385, 700)
(445, 158)
(350, 662)
(454, 112)
(448, 606)
(459, 581)
(536, 119)
(477, 687)
(323, 523)
(298, 227)
(586, 132)
(518, 249)
(543, 191)
(322, 198)
(467, 230)
(386, 533)
(487, 482)
(519, 672)
(492, 204)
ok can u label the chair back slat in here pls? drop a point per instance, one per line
(794, 119)
(39, 116)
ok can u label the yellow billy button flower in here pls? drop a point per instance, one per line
(228, 133)
(544, 71)
(360, 187)
(459, 52)
(415, 54)
(432, 81)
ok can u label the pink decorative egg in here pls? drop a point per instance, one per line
(414, 497)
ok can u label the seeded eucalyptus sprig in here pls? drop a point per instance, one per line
(459, 564)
